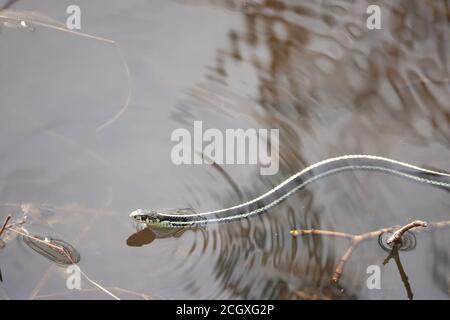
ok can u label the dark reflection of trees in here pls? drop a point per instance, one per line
(323, 64)
(439, 268)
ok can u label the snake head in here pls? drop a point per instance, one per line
(149, 217)
(167, 218)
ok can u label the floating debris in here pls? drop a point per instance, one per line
(18, 24)
(55, 250)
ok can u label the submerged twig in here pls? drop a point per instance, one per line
(58, 295)
(2, 244)
(356, 240)
(394, 253)
(4, 224)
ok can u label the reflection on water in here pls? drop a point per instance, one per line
(310, 69)
(145, 235)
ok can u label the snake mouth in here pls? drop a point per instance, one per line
(141, 215)
(137, 213)
(149, 218)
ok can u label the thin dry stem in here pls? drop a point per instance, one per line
(5, 224)
(51, 245)
(314, 232)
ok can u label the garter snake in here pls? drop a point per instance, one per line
(179, 218)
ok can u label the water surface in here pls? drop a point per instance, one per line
(82, 158)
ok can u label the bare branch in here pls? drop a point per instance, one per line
(340, 267)
(357, 239)
(397, 236)
(296, 233)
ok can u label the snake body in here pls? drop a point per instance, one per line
(181, 218)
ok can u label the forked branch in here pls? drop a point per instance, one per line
(357, 239)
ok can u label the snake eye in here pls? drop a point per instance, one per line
(140, 218)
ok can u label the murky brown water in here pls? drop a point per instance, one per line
(310, 68)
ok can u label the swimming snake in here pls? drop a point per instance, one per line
(186, 217)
